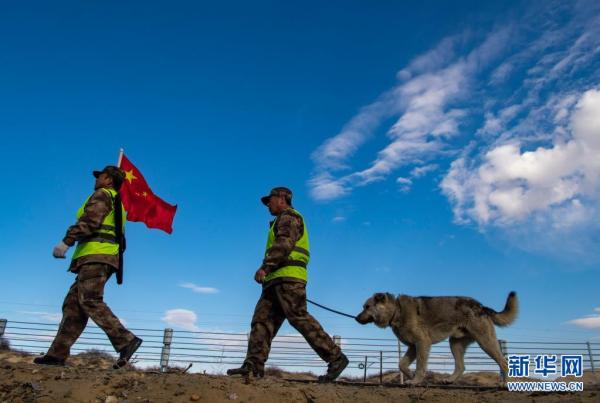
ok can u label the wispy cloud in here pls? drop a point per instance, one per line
(511, 183)
(426, 105)
(588, 322)
(530, 167)
(182, 318)
(198, 289)
(420, 171)
(404, 184)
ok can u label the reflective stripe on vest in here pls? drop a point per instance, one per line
(297, 260)
(104, 240)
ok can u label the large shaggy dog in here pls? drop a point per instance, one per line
(420, 322)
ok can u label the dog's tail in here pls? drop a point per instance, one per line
(509, 314)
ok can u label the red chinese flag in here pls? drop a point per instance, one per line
(141, 204)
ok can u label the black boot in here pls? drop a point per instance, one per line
(49, 360)
(127, 352)
(245, 370)
(335, 368)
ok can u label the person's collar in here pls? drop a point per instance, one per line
(106, 187)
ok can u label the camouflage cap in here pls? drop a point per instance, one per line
(278, 191)
(115, 173)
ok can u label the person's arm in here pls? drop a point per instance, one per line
(288, 230)
(96, 209)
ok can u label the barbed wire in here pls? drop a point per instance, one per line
(513, 329)
(219, 350)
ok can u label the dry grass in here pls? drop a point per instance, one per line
(93, 358)
(94, 354)
(170, 368)
(277, 372)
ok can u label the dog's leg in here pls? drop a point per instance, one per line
(485, 335)
(422, 355)
(408, 359)
(458, 346)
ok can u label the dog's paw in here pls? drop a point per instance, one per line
(447, 381)
(408, 374)
(414, 382)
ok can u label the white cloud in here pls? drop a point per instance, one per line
(333, 152)
(420, 171)
(198, 289)
(182, 318)
(325, 187)
(517, 110)
(588, 322)
(425, 118)
(511, 184)
(404, 184)
(338, 218)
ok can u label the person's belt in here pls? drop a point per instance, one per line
(100, 237)
(293, 263)
(296, 249)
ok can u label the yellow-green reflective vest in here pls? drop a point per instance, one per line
(297, 260)
(104, 240)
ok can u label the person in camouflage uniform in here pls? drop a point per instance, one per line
(283, 278)
(85, 297)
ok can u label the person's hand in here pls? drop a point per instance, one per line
(60, 250)
(260, 275)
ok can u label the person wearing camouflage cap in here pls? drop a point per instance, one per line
(95, 259)
(283, 275)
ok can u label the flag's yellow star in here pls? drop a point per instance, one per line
(144, 194)
(130, 176)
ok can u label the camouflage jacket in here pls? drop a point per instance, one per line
(98, 206)
(289, 228)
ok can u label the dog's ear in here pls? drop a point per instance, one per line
(379, 297)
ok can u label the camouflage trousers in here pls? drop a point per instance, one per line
(286, 300)
(85, 300)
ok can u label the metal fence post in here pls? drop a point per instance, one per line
(589, 348)
(166, 349)
(380, 367)
(504, 350)
(365, 373)
(399, 361)
(3, 327)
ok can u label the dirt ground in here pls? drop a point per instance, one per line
(89, 378)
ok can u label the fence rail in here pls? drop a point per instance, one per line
(215, 352)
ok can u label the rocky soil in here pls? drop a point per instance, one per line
(89, 378)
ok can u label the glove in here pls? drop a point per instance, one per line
(260, 275)
(60, 250)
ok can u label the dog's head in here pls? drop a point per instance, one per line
(379, 309)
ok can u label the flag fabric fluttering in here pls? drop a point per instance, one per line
(140, 203)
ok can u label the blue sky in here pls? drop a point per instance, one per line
(434, 149)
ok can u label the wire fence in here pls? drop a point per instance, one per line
(215, 352)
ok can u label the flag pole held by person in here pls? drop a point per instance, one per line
(98, 237)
